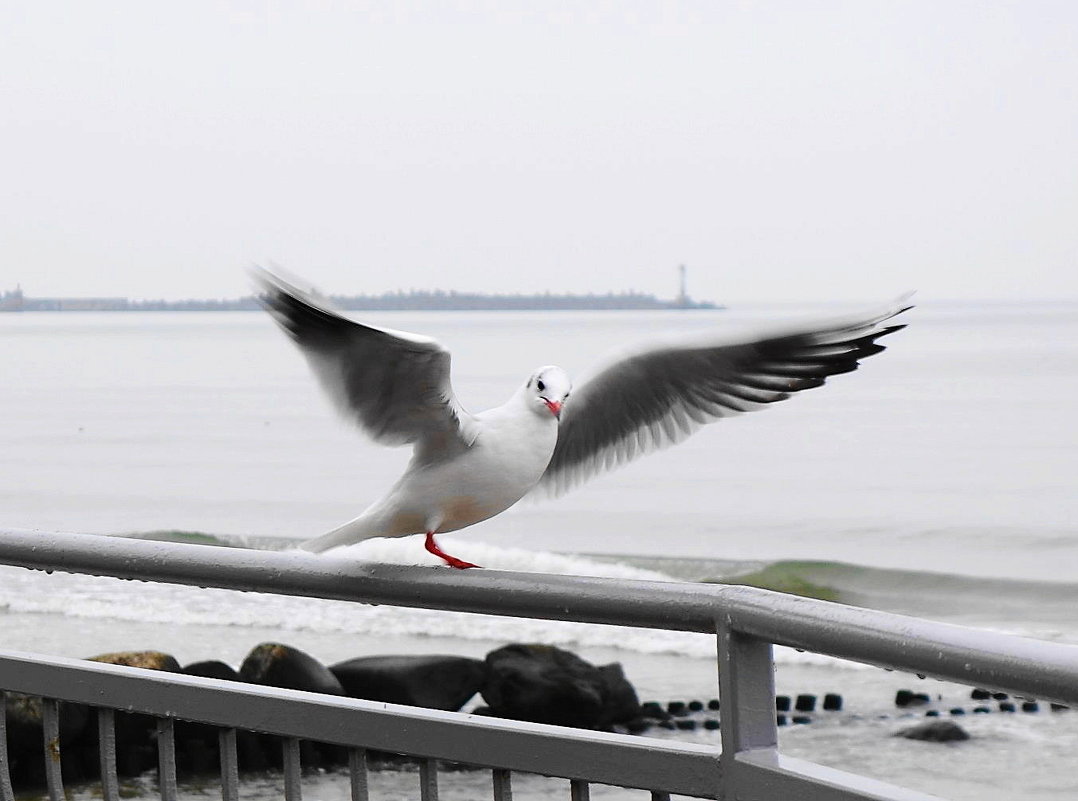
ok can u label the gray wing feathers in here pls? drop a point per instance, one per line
(395, 385)
(659, 397)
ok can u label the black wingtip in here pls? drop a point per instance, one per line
(299, 312)
(277, 280)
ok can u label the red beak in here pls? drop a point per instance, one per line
(554, 406)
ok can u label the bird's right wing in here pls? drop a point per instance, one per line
(394, 384)
(659, 396)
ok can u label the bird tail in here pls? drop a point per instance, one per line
(362, 528)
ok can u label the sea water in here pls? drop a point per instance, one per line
(938, 480)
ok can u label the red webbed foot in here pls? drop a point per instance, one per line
(452, 561)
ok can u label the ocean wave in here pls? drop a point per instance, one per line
(1034, 608)
(925, 593)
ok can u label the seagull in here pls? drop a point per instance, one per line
(547, 437)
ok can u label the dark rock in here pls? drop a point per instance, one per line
(1030, 706)
(1059, 707)
(654, 710)
(620, 702)
(545, 684)
(782, 703)
(805, 703)
(958, 711)
(832, 702)
(25, 719)
(977, 694)
(696, 706)
(25, 735)
(780, 720)
(932, 713)
(433, 682)
(276, 665)
(904, 698)
(1006, 706)
(981, 710)
(1000, 696)
(211, 669)
(676, 708)
(711, 724)
(713, 704)
(686, 724)
(197, 749)
(136, 751)
(800, 720)
(638, 725)
(935, 731)
(149, 660)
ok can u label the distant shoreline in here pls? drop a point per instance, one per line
(16, 301)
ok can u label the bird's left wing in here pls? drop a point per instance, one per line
(394, 384)
(659, 396)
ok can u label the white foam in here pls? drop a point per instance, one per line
(409, 551)
(114, 599)
(78, 596)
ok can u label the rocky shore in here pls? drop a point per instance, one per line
(519, 681)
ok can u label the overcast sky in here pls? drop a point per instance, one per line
(783, 151)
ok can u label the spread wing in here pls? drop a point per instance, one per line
(394, 384)
(658, 397)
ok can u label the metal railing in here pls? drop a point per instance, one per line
(745, 621)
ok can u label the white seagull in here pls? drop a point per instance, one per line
(466, 467)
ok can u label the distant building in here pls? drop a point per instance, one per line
(16, 300)
(390, 301)
(75, 304)
(12, 300)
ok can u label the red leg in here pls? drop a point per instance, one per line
(452, 561)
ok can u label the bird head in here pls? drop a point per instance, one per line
(547, 390)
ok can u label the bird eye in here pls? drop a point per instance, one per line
(540, 385)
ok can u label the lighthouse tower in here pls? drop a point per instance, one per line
(683, 294)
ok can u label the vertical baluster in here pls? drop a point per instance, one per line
(292, 789)
(50, 719)
(6, 793)
(106, 751)
(230, 765)
(579, 790)
(747, 692)
(166, 759)
(503, 785)
(357, 771)
(428, 779)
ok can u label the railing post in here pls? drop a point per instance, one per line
(6, 792)
(503, 785)
(357, 773)
(106, 744)
(50, 721)
(230, 765)
(166, 759)
(428, 779)
(293, 788)
(747, 694)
